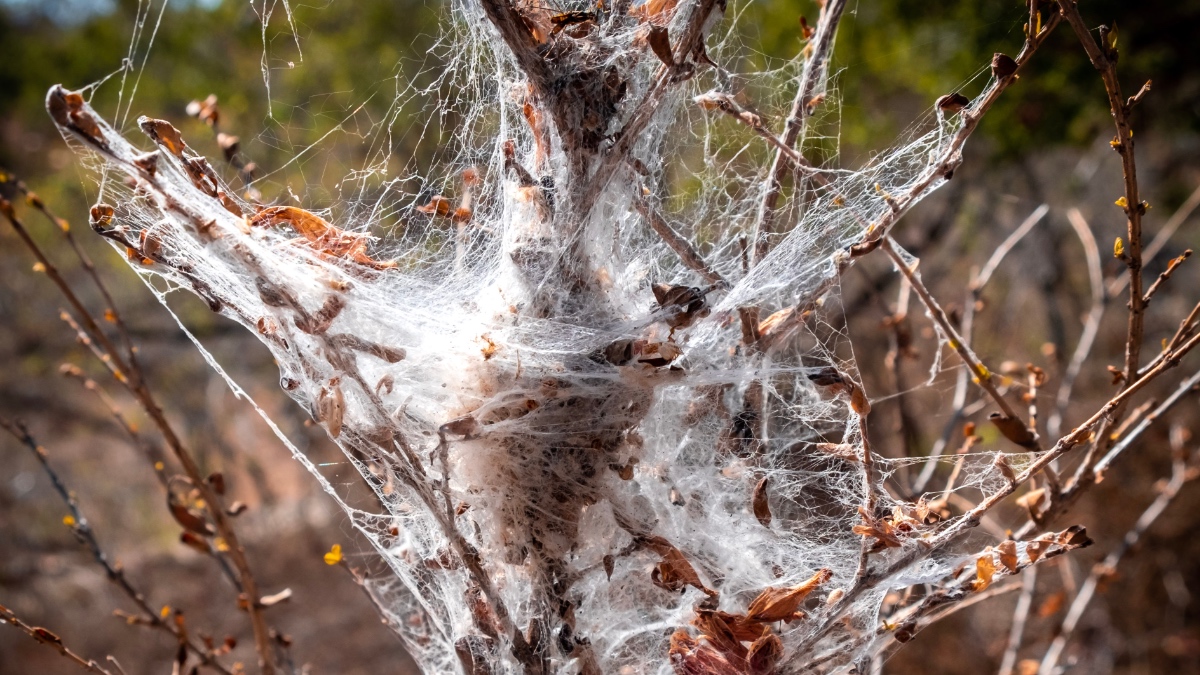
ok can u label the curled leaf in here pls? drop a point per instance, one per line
(781, 604)
(765, 654)
(985, 569)
(1008, 554)
(762, 509)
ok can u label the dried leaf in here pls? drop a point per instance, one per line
(762, 509)
(1003, 66)
(320, 235)
(689, 657)
(656, 12)
(1072, 538)
(952, 103)
(609, 565)
(859, 402)
(197, 544)
(1035, 549)
(777, 322)
(781, 604)
(660, 44)
(330, 407)
(101, 217)
(765, 654)
(1008, 554)
(436, 206)
(189, 519)
(674, 572)
(1014, 430)
(985, 568)
(319, 322)
(714, 629)
(164, 134)
(1032, 500)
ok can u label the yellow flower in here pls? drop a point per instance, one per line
(1118, 248)
(334, 556)
(69, 520)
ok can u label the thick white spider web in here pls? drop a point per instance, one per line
(507, 427)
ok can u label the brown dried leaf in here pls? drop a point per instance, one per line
(689, 657)
(657, 12)
(775, 323)
(1072, 538)
(609, 565)
(196, 543)
(762, 509)
(765, 654)
(952, 103)
(1035, 549)
(1003, 65)
(660, 44)
(674, 572)
(714, 629)
(164, 134)
(1008, 554)
(319, 321)
(781, 604)
(1014, 430)
(331, 406)
(436, 206)
(1052, 605)
(1032, 500)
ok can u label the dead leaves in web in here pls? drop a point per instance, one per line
(1046, 546)
(439, 206)
(762, 509)
(320, 235)
(783, 604)
(725, 636)
(684, 304)
(657, 12)
(902, 523)
(69, 110)
(674, 572)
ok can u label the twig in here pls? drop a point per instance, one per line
(640, 118)
(82, 530)
(812, 76)
(64, 227)
(1160, 240)
(1185, 387)
(1091, 326)
(688, 255)
(967, 325)
(1104, 60)
(47, 638)
(1166, 274)
(152, 452)
(1020, 615)
(982, 376)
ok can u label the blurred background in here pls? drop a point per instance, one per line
(334, 70)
